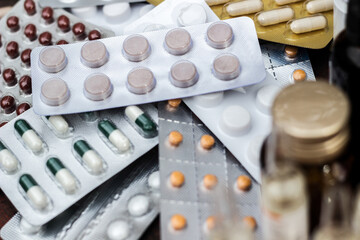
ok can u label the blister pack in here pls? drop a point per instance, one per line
(79, 3)
(193, 165)
(49, 163)
(242, 120)
(194, 60)
(141, 177)
(25, 27)
(173, 13)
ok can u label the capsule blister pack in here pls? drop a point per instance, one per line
(141, 177)
(242, 120)
(193, 166)
(79, 3)
(173, 13)
(194, 60)
(25, 27)
(48, 163)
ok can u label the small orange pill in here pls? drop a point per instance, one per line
(250, 222)
(207, 142)
(210, 222)
(178, 222)
(177, 179)
(299, 75)
(175, 138)
(291, 51)
(174, 102)
(243, 182)
(210, 181)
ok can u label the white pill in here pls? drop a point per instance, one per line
(216, 2)
(145, 9)
(275, 16)
(244, 7)
(59, 124)
(265, 98)
(154, 180)
(191, 14)
(8, 161)
(117, 12)
(93, 161)
(118, 230)
(317, 6)
(120, 141)
(66, 180)
(209, 100)
(308, 24)
(37, 197)
(235, 120)
(27, 227)
(139, 205)
(253, 151)
(84, 12)
(283, 2)
(33, 141)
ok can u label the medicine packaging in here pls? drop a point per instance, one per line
(100, 209)
(126, 70)
(80, 3)
(25, 27)
(49, 163)
(173, 13)
(242, 120)
(194, 165)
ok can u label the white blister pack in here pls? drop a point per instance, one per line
(80, 3)
(100, 208)
(25, 27)
(49, 163)
(173, 13)
(155, 66)
(194, 165)
(242, 120)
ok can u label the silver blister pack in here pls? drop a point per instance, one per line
(157, 81)
(192, 172)
(94, 147)
(95, 209)
(17, 87)
(79, 3)
(242, 120)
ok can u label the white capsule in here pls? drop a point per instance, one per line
(317, 6)
(139, 205)
(27, 227)
(154, 180)
(32, 140)
(8, 161)
(37, 197)
(275, 16)
(59, 123)
(216, 2)
(66, 180)
(120, 141)
(118, 230)
(244, 7)
(93, 161)
(283, 2)
(308, 24)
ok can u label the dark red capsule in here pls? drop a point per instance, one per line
(22, 108)
(8, 104)
(25, 84)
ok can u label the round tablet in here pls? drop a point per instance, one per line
(210, 181)
(174, 102)
(118, 230)
(253, 151)
(265, 98)
(54, 92)
(136, 48)
(52, 59)
(178, 41)
(178, 222)
(117, 12)
(191, 15)
(84, 12)
(250, 222)
(154, 180)
(138, 205)
(94, 54)
(235, 120)
(226, 66)
(291, 51)
(243, 183)
(219, 35)
(209, 100)
(183, 74)
(177, 179)
(140, 80)
(207, 142)
(175, 138)
(298, 75)
(210, 223)
(97, 87)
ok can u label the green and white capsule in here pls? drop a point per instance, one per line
(34, 192)
(62, 175)
(92, 160)
(59, 124)
(31, 139)
(115, 136)
(8, 161)
(144, 123)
